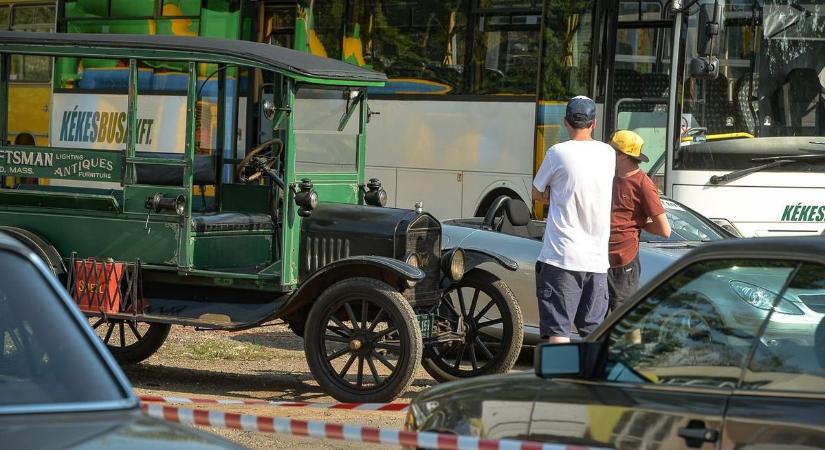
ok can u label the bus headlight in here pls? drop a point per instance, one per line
(452, 264)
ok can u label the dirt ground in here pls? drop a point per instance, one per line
(264, 363)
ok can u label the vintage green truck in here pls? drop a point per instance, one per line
(220, 184)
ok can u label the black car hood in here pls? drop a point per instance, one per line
(98, 430)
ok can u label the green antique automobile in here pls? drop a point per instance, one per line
(220, 184)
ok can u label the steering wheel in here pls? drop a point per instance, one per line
(256, 163)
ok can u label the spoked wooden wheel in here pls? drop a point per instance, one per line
(130, 342)
(483, 308)
(367, 344)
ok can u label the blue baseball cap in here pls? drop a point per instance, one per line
(580, 109)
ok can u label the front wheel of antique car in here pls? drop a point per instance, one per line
(367, 343)
(485, 311)
(129, 342)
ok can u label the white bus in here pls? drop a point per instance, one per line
(735, 124)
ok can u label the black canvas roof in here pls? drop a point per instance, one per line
(299, 63)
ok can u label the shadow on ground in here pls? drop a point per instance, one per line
(288, 386)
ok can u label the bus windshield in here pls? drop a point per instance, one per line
(768, 99)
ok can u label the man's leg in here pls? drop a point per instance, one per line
(593, 306)
(558, 292)
(623, 282)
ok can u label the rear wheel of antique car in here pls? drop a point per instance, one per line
(492, 324)
(129, 342)
(367, 343)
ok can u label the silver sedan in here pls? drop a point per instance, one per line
(509, 231)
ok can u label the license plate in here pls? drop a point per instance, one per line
(425, 321)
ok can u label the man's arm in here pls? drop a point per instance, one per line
(541, 196)
(659, 226)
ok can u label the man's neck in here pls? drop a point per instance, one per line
(581, 135)
(628, 169)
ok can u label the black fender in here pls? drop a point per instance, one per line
(40, 246)
(392, 271)
(476, 256)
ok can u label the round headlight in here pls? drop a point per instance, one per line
(313, 199)
(412, 259)
(455, 264)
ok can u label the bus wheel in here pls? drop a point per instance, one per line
(130, 342)
(492, 324)
(366, 344)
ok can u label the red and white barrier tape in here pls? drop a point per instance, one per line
(221, 401)
(351, 433)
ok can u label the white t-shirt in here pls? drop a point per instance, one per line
(580, 176)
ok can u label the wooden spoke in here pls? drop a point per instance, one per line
(135, 331)
(376, 320)
(122, 335)
(338, 354)
(364, 315)
(98, 323)
(490, 323)
(460, 356)
(383, 360)
(109, 332)
(461, 302)
(351, 316)
(346, 367)
(343, 328)
(386, 346)
(473, 302)
(334, 338)
(473, 360)
(483, 348)
(484, 310)
(373, 370)
(360, 374)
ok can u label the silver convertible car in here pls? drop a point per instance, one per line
(509, 231)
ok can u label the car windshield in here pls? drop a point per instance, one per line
(684, 225)
(45, 359)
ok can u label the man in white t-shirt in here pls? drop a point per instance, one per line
(571, 271)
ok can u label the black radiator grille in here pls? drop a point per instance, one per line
(424, 238)
(321, 251)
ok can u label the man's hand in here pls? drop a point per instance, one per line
(541, 196)
(659, 226)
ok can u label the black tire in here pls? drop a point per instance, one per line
(485, 350)
(128, 342)
(365, 321)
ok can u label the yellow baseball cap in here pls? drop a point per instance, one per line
(629, 143)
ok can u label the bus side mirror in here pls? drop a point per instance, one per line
(705, 66)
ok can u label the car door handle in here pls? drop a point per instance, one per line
(696, 435)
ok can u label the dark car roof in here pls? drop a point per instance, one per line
(795, 246)
(295, 62)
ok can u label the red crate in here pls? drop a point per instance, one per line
(96, 285)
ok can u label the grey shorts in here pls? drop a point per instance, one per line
(568, 298)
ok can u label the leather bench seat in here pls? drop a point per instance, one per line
(231, 221)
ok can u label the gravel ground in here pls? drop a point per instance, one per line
(263, 363)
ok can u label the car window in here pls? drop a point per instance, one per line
(790, 355)
(697, 328)
(684, 225)
(44, 356)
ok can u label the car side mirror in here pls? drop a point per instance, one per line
(571, 360)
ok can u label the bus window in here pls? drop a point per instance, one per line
(319, 25)
(421, 47)
(29, 98)
(641, 77)
(4, 17)
(505, 53)
(216, 18)
(768, 98)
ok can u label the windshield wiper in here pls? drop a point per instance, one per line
(774, 161)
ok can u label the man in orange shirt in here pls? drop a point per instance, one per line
(636, 207)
